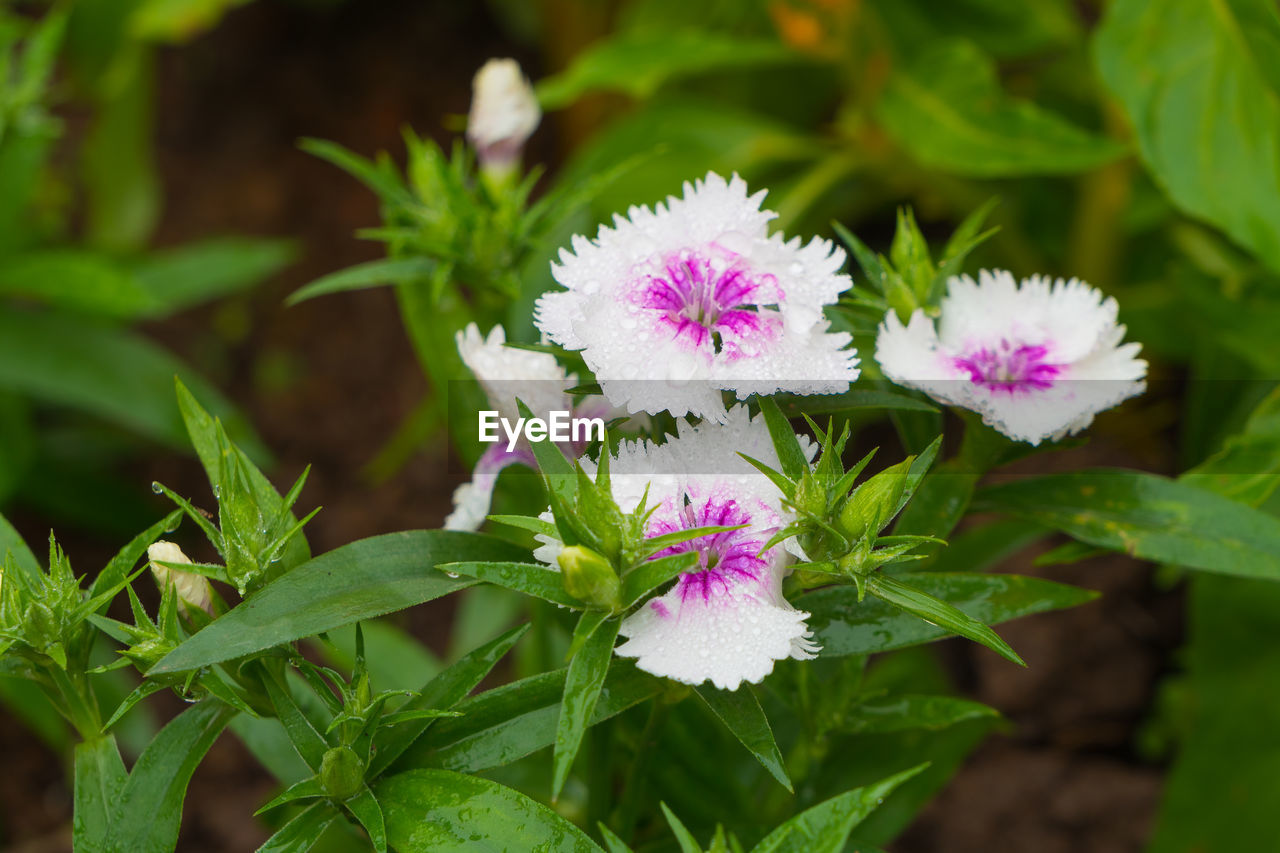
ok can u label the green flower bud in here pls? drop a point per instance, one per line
(589, 578)
(873, 503)
(811, 496)
(341, 772)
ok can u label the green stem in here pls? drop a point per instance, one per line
(628, 811)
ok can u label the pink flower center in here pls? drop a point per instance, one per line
(712, 302)
(1010, 367)
(722, 557)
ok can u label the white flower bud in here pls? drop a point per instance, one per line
(504, 113)
(193, 590)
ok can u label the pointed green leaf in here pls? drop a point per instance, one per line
(529, 578)
(302, 832)
(1146, 516)
(99, 778)
(907, 712)
(367, 578)
(688, 844)
(741, 713)
(582, 686)
(790, 456)
(938, 612)
(444, 691)
(825, 828)
(652, 574)
(384, 271)
(364, 806)
(843, 625)
(148, 810)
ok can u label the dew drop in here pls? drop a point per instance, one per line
(157, 488)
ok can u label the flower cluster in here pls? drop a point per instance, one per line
(675, 305)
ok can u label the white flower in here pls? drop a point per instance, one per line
(1036, 361)
(193, 590)
(506, 373)
(672, 305)
(725, 622)
(504, 113)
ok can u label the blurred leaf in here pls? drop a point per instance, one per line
(148, 810)
(741, 713)
(180, 278)
(638, 63)
(81, 281)
(1247, 468)
(177, 20)
(437, 811)
(1222, 790)
(1200, 81)
(109, 372)
(825, 828)
(905, 712)
(122, 187)
(358, 581)
(509, 722)
(1146, 516)
(982, 547)
(11, 542)
(844, 626)
(383, 271)
(947, 108)
(1002, 29)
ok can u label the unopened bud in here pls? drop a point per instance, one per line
(504, 113)
(193, 590)
(589, 578)
(341, 772)
(873, 503)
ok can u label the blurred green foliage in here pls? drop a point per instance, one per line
(80, 388)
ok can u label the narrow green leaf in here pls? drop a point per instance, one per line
(148, 809)
(1146, 516)
(845, 626)
(529, 578)
(790, 456)
(99, 778)
(582, 686)
(938, 612)
(98, 368)
(509, 722)
(11, 542)
(444, 691)
(907, 712)
(437, 811)
(195, 273)
(364, 579)
(309, 743)
(825, 828)
(741, 713)
(76, 280)
(612, 843)
(377, 273)
(688, 844)
(368, 812)
(307, 789)
(302, 832)
(652, 574)
(527, 522)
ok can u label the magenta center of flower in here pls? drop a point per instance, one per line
(1010, 366)
(712, 302)
(723, 558)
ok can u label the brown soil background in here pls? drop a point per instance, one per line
(327, 383)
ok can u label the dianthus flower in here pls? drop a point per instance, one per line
(506, 373)
(673, 305)
(1036, 360)
(726, 621)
